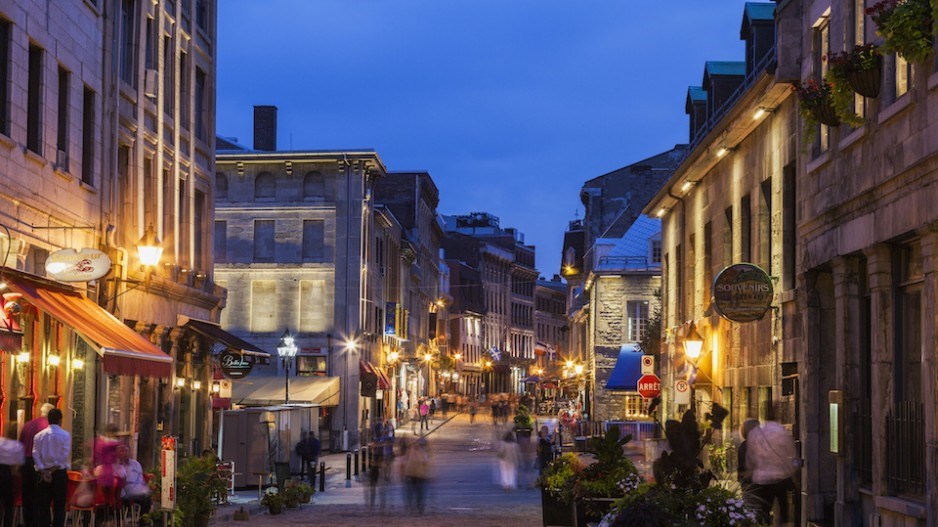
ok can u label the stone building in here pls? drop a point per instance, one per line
(506, 268)
(731, 201)
(467, 312)
(866, 284)
(614, 308)
(108, 119)
(292, 246)
(550, 324)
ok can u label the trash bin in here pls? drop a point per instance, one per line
(282, 473)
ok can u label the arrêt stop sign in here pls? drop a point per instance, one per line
(649, 386)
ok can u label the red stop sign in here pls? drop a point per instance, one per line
(649, 386)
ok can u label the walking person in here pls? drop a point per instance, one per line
(308, 450)
(424, 415)
(29, 476)
(11, 459)
(433, 407)
(545, 448)
(472, 412)
(771, 461)
(509, 456)
(52, 452)
(416, 472)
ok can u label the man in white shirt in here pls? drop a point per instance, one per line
(135, 488)
(52, 453)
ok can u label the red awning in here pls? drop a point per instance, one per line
(125, 351)
(368, 368)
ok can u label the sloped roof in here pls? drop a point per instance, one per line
(696, 93)
(759, 11)
(635, 240)
(716, 67)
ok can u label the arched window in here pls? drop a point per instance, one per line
(265, 186)
(221, 186)
(314, 186)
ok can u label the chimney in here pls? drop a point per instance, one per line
(265, 128)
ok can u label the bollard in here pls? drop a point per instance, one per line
(356, 463)
(364, 459)
(322, 476)
(348, 469)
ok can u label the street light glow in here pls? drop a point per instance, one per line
(428, 357)
(393, 356)
(351, 345)
(457, 356)
(693, 343)
(54, 360)
(578, 369)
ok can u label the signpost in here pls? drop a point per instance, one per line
(168, 476)
(681, 392)
(648, 364)
(649, 386)
(742, 292)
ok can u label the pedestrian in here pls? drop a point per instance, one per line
(771, 461)
(472, 412)
(29, 476)
(416, 471)
(433, 407)
(52, 449)
(743, 474)
(545, 448)
(12, 457)
(424, 415)
(308, 450)
(509, 456)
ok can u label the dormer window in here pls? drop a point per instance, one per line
(656, 251)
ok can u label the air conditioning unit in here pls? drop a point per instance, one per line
(149, 83)
(61, 159)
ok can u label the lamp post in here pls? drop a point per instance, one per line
(287, 350)
(350, 346)
(427, 358)
(693, 343)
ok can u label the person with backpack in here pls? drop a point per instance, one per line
(308, 450)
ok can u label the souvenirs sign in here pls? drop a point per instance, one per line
(235, 365)
(69, 265)
(742, 292)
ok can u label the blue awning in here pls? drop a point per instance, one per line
(628, 369)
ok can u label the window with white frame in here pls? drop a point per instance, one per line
(637, 320)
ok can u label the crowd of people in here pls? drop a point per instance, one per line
(39, 461)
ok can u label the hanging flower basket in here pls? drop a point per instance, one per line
(825, 114)
(867, 82)
(906, 27)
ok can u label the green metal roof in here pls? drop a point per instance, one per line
(760, 11)
(696, 93)
(725, 68)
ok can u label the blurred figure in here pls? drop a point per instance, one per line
(377, 470)
(52, 452)
(472, 412)
(416, 472)
(545, 448)
(135, 489)
(742, 471)
(308, 449)
(12, 457)
(509, 456)
(771, 461)
(29, 476)
(433, 407)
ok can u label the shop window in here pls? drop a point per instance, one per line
(311, 365)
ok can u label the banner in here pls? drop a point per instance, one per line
(168, 473)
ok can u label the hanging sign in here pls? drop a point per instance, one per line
(69, 265)
(742, 292)
(681, 392)
(235, 365)
(168, 473)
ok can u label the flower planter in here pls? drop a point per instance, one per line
(825, 114)
(292, 504)
(275, 509)
(555, 512)
(591, 510)
(867, 82)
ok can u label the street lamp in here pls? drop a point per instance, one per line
(350, 346)
(287, 350)
(693, 343)
(149, 250)
(426, 359)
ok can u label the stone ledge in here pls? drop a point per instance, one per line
(896, 107)
(815, 164)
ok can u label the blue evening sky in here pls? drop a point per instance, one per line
(509, 104)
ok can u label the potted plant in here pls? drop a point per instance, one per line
(598, 485)
(906, 27)
(292, 495)
(273, 501)
(524, 424)
(197, 482)
(816, 103)
(305, 491)
(556, 484)
(860, 68)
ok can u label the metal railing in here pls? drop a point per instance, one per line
(635, 263)
(905, 449)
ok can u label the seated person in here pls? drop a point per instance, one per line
(135, 488)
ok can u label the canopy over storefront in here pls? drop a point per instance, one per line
(267, 391)
(367, 368)
(125, 351)
(216, 333)
(627, 370)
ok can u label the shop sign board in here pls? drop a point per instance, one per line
(681, 392)
(649, 386)
(69, 265)
(235, 365)
(742, 292)
(168, 473)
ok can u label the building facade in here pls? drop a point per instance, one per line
(550, 325)
(293, 242)
(109, 123)
(866, 284)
